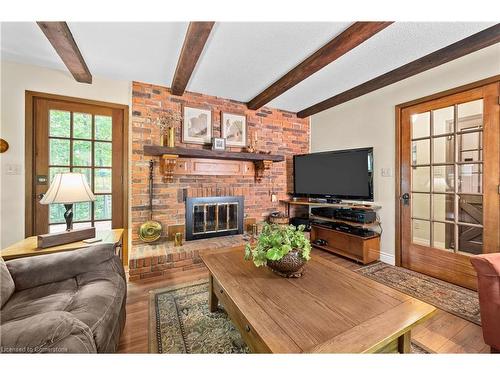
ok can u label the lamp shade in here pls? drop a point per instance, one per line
(68, 188)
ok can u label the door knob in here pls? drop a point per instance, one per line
(405, 198)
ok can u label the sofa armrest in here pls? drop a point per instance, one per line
(44, 269)
(50, 332)
(488, 274)
(487, 264)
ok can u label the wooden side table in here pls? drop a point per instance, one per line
(28, 246)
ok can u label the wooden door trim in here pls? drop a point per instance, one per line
(398, 137)
(455, 90)
(30, 97)
(44, 95)
(397, 198)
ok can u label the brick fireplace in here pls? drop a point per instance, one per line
(278, 132)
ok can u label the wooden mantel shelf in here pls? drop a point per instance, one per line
(209, 154)
(169, 156)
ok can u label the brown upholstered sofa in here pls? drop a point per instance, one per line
(488, 274)
(69, 302)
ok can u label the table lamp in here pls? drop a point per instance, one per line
(67, 188)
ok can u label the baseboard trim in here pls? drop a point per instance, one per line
(388, 258)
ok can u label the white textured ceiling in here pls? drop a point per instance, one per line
(24, 42)
(396, 45)
(240, 59)
(130, 51)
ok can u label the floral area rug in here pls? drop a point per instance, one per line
(445, 296)
(181, 323)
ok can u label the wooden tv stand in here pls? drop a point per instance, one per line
(361, 249)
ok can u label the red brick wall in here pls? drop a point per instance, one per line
(280, 132)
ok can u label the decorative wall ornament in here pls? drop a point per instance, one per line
(4, 145)
(252, 143)
(167, 167)
(261, 167)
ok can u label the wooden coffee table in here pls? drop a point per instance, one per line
(328, 310)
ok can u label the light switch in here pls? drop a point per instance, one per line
(13, 169)
(386, 172)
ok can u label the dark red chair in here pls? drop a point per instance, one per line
(488, 275)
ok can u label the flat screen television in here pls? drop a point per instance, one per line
(345, 174)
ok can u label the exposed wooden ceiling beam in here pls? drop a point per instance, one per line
(59, 35)
(352, 37)
(461, 48)
(196, 37)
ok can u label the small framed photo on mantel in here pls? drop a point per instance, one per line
(197, 125)
(234, 129)
(218, 144)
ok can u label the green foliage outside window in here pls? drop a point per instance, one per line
(59, 155)
(102, 154)
(59, 152)
(82, 125)
(59, 123)
(103, 128)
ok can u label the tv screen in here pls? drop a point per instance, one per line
(346, 174)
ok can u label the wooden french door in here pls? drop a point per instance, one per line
(69, 136)
(449, 183)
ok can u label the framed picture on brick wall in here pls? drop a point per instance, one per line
(234, 129)
(218, 144)
(196, 125)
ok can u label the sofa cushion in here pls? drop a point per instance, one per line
(49, 332)
(49, 268)
(94, 298)
(40, 299)
(98, 303)
(6, 283)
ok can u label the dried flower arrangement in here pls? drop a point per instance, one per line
(167, 119)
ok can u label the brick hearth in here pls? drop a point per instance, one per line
(279, 132)
(164, 258)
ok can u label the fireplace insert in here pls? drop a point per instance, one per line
(213, 217)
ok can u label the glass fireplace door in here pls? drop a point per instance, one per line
(213, 216)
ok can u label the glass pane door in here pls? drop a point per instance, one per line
(82, 142)
(447, 178)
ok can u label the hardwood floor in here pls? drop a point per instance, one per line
(443, 333)
(135, 337)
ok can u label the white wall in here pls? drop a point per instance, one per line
(369, 121)
(15, 80)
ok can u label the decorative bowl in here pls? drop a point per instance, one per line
(291, 265)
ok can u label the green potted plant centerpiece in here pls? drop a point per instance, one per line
(284, 249)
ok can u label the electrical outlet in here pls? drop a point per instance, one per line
(13, 169)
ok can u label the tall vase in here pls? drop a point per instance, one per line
(164, 139)
(171, 136)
